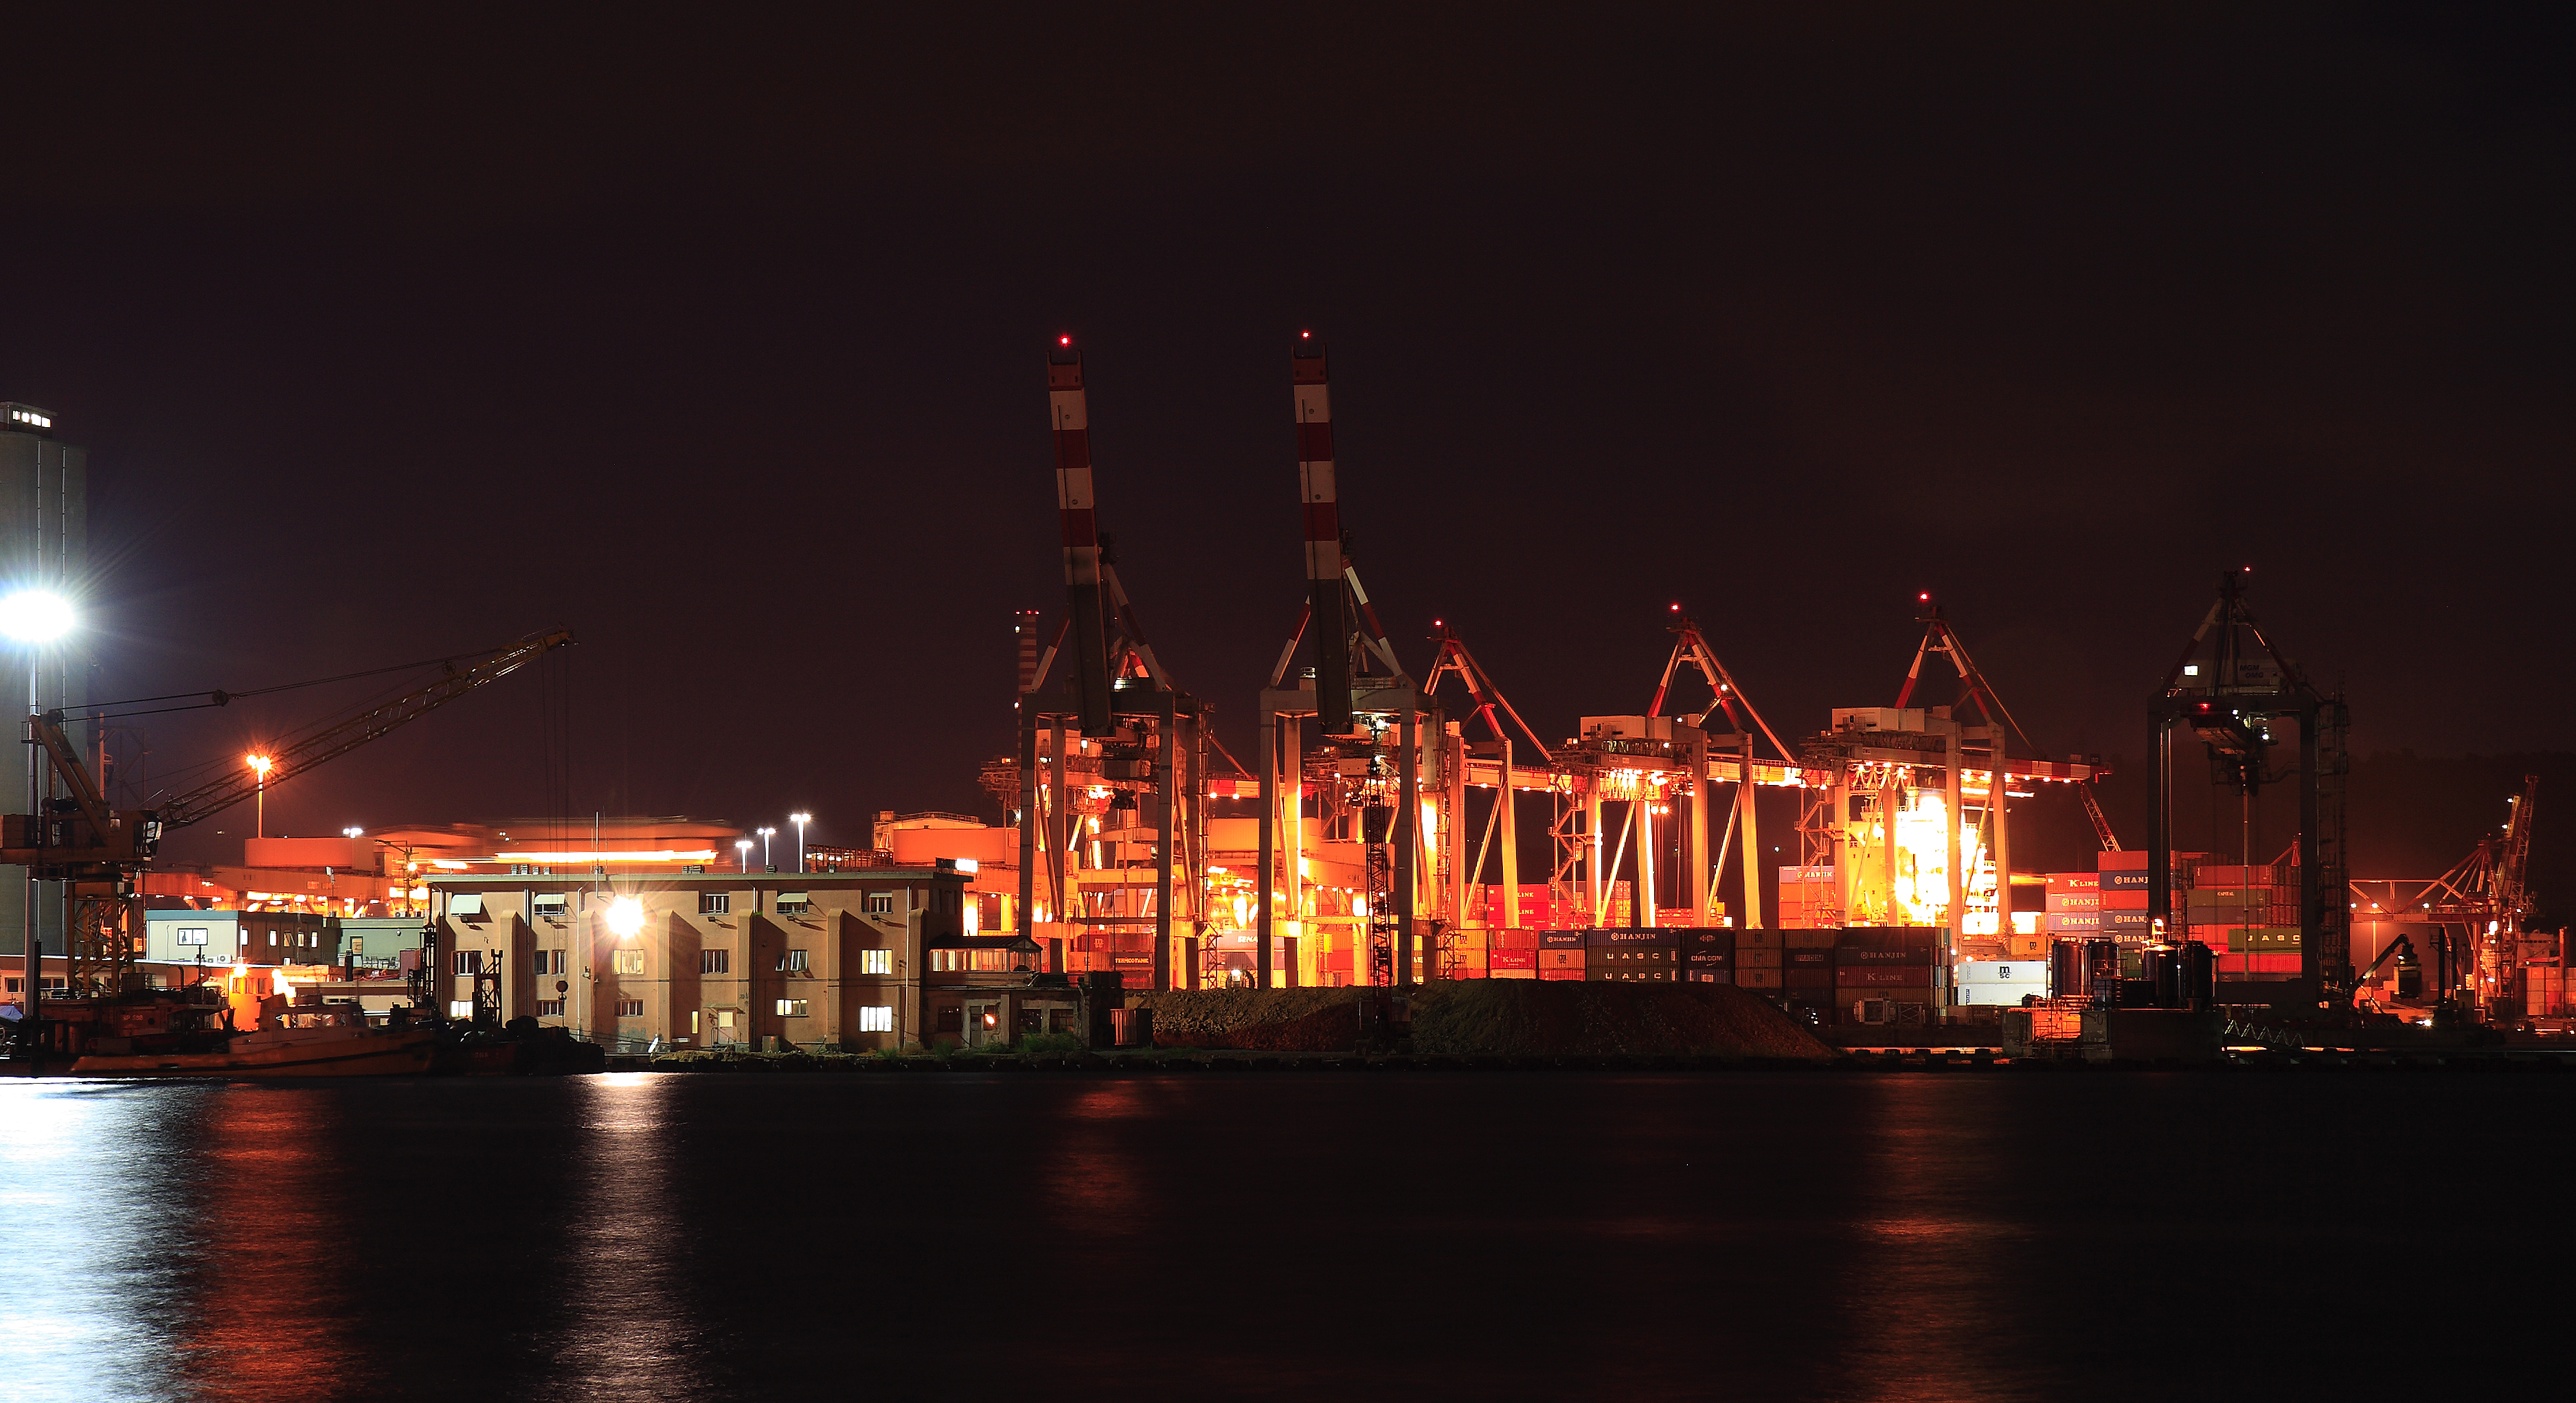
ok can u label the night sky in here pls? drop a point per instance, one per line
(720, 341)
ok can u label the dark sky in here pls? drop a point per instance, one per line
(719, 339)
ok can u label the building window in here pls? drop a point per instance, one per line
(793, 962)
(791, 1008)
(192, 935)
(876, 962)
(550, 962)
(630, 1008)
(877, 1018)
(793, 903)
(952, 1019)
(626, 961)
(460, 1008)
(715, 962)
(551, 906)
(467, 961)
(880, 903)
(550, 1008)
(715, 903)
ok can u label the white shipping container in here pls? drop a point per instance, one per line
(2007, 995)
(1999, 972)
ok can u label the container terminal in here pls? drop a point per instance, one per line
(1375, 839)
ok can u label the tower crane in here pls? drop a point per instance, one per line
(97, 852)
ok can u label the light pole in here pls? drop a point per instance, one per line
(743, 846)
(260, 763)
(34, 618)
(800, 820)
(765, 859)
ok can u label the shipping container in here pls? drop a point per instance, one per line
(2073, 881)
(1655, 956)
(1699, 975)
(1650, 974)
(1559, 939)
(1992, 995)
(2132, 861)
(1881, 976)
(1574, 974)
(1850, 956)
(1999, 972)
(1806, 959)
(1709, 959)
(1511, 974)
(1511, 959)
(1749, 978)
(1615, 937)
(2075, 901)
(2125, 899)
(1748, 938)
(1560, 959)
(1809, 939)
(1807, 979)
(1508, 939)
(1892, 937)
(1697, 941)
(1757, 957)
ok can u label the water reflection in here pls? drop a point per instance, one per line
(630, 1330)
(94, 1239)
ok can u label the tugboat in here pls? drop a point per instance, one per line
(194, 1032)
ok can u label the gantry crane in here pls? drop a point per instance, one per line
(98, 852)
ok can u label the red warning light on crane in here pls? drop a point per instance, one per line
(1064, 341)
(1305, 336)
(1924, 598)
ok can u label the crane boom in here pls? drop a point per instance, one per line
(349, 733)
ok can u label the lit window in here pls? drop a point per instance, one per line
(627, 961)
(877, 1018)
(876, 962)
(715, 961)
(880, 903)
(793, 962)
(791, 1008)
(550, 1008)
(715, 903)
(460, 1008)
(630, 1008)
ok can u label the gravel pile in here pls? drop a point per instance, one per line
(1539, 1018)
(1263, 1020)
(1493, 1017)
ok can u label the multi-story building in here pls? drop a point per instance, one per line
(858, 960)
(44, 544)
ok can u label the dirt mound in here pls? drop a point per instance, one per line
(1497, 1017)
(1538, 1018)
(1262, 1020)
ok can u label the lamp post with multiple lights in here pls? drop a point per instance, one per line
(800, 820)
(33, 618)
(766, 860)
(743, 846)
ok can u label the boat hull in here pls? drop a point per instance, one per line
(370, 1054)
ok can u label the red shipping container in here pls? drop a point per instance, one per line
(1560, 959)
(1508, 939)
(1879, 976)
(2073, 881)
(1560, 974)
(1511, 959)
(2126, 899)
(2131, 861)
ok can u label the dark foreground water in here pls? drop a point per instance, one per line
(1288, 1235)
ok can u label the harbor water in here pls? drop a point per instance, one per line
(1997, 1235)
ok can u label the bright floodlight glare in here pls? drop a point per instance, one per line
(625, 917)
(35, 616)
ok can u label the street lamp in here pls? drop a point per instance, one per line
(353, 832)
(800, 820)
(625, 917)
(34, 617)
(261, 763)
(765, 835)
(743, 846)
